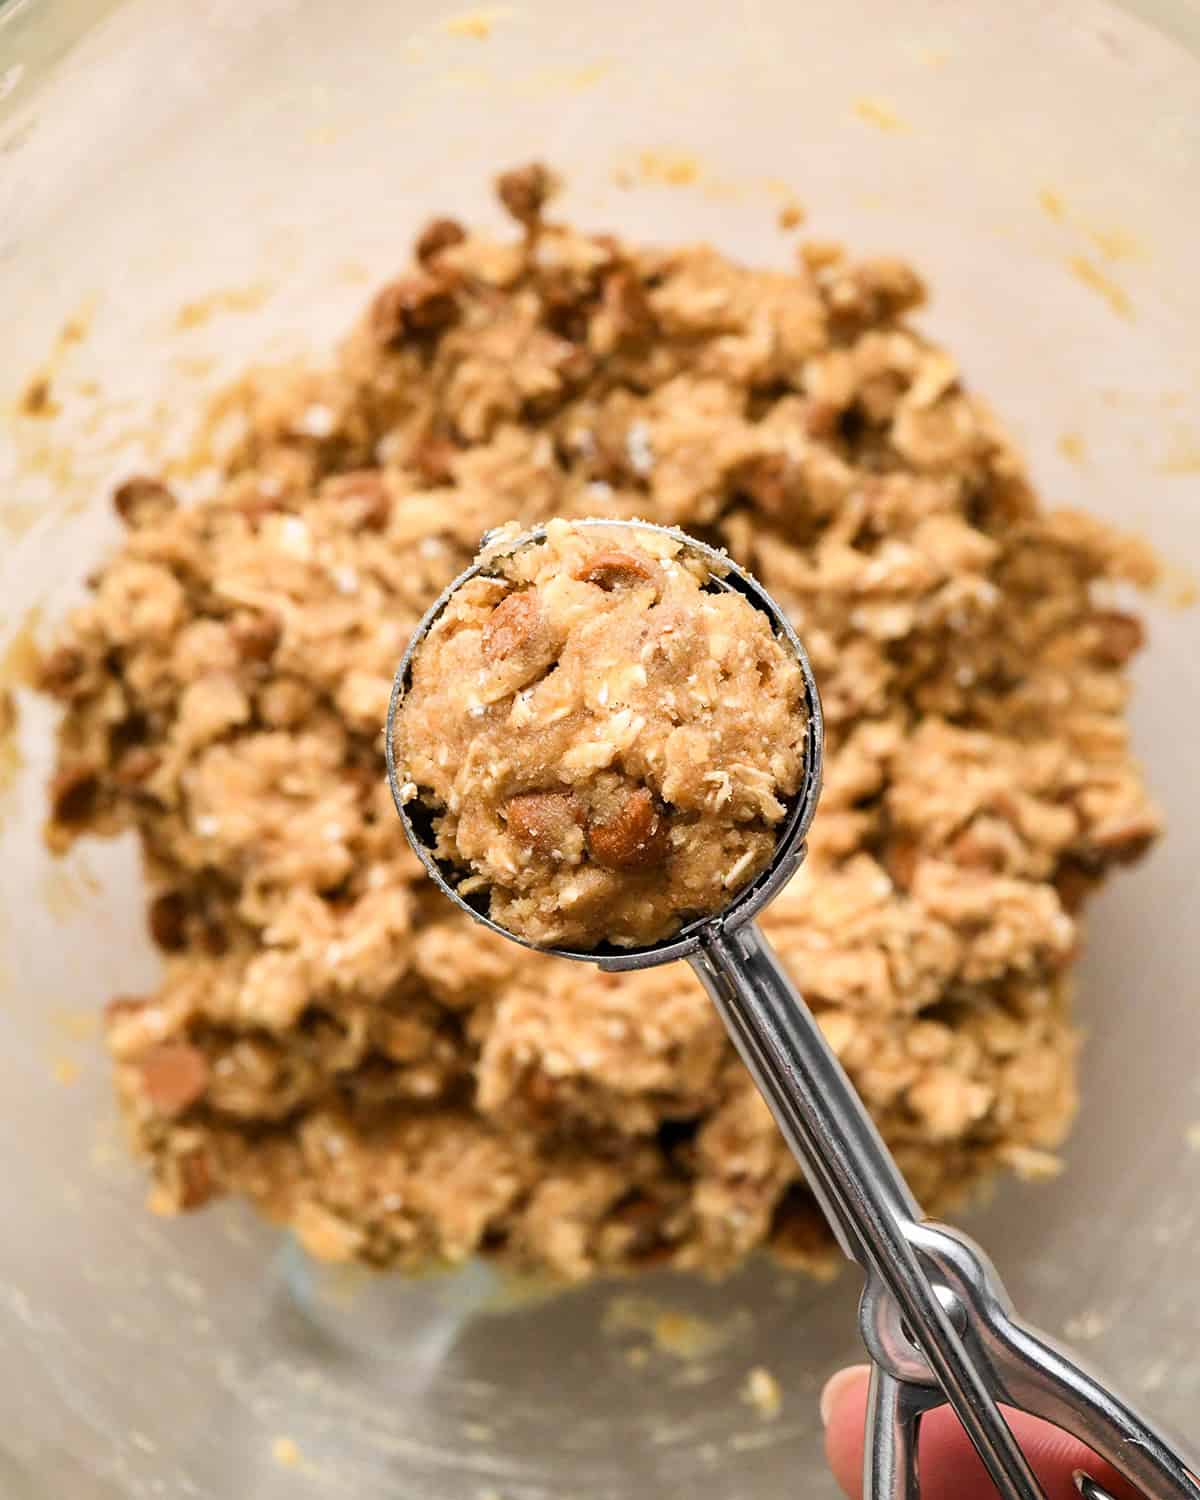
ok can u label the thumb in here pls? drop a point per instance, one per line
(950, 1467)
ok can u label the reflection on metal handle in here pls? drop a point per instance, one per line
(890, 1456)
(1088, 1487)
(850, 1172)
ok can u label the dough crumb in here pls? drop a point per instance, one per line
(286, 1453)
(879, 114)
(475, 24)
(1086, 1326)
(762, 1391)
(682, 1336)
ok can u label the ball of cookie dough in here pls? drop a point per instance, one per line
(607, 741)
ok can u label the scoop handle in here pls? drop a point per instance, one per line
(851, 1174)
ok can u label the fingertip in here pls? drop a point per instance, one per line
(837, 1387)
(950, 1468)
(843, 1414)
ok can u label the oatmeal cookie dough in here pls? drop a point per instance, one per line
(607, 742)
(382, 1075)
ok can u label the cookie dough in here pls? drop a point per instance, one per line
(608, 742)
(381, 1074)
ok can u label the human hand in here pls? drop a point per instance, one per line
(950, 1467)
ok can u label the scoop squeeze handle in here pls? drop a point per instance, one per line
(935, 1317)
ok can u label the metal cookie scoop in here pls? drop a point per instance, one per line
(934, 1315)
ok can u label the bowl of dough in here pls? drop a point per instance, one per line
(317, 1185)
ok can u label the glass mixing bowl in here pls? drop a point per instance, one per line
(1039, 162)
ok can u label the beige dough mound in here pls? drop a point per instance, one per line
(399, 1086)
(608, 742)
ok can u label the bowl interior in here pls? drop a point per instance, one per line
(1039, 165)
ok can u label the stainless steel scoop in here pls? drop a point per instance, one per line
(934, 1315)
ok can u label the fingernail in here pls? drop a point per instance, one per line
(836, 1385)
